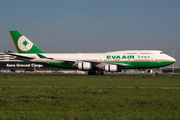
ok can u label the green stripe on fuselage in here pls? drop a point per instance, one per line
(144, 64)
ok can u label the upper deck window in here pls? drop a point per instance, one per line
(161, 52)
(131, 53)
(144, 53)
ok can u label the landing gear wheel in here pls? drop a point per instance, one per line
(102, 73)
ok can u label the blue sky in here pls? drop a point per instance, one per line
(92, 25)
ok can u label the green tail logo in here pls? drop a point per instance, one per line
(23, 44)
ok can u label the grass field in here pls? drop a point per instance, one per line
(89, 98)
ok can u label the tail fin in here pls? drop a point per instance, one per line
(23, 44)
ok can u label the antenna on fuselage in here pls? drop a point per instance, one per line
(109, 48)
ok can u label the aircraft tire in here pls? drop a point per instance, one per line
(102, 73)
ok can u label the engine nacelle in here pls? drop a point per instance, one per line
(84, 66)
(111, 68)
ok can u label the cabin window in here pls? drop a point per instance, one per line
(144, 53)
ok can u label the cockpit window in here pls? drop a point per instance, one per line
(161, 52)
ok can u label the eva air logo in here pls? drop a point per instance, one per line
(24, 44)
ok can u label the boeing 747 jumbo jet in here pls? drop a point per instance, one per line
(94, 63)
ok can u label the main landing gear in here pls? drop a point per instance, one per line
(95, 72)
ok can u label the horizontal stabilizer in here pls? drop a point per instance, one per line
(20, 56)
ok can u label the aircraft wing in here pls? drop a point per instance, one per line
(66, 62)
(100, 65)
(72, 62)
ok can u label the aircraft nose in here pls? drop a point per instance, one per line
(173, 59)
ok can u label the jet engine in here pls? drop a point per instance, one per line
(84, 66)
(111, 68)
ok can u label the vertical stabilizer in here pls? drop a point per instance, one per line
(23, 44)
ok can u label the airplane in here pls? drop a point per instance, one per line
(93, 63)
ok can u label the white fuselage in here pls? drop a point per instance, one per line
(154, 55)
